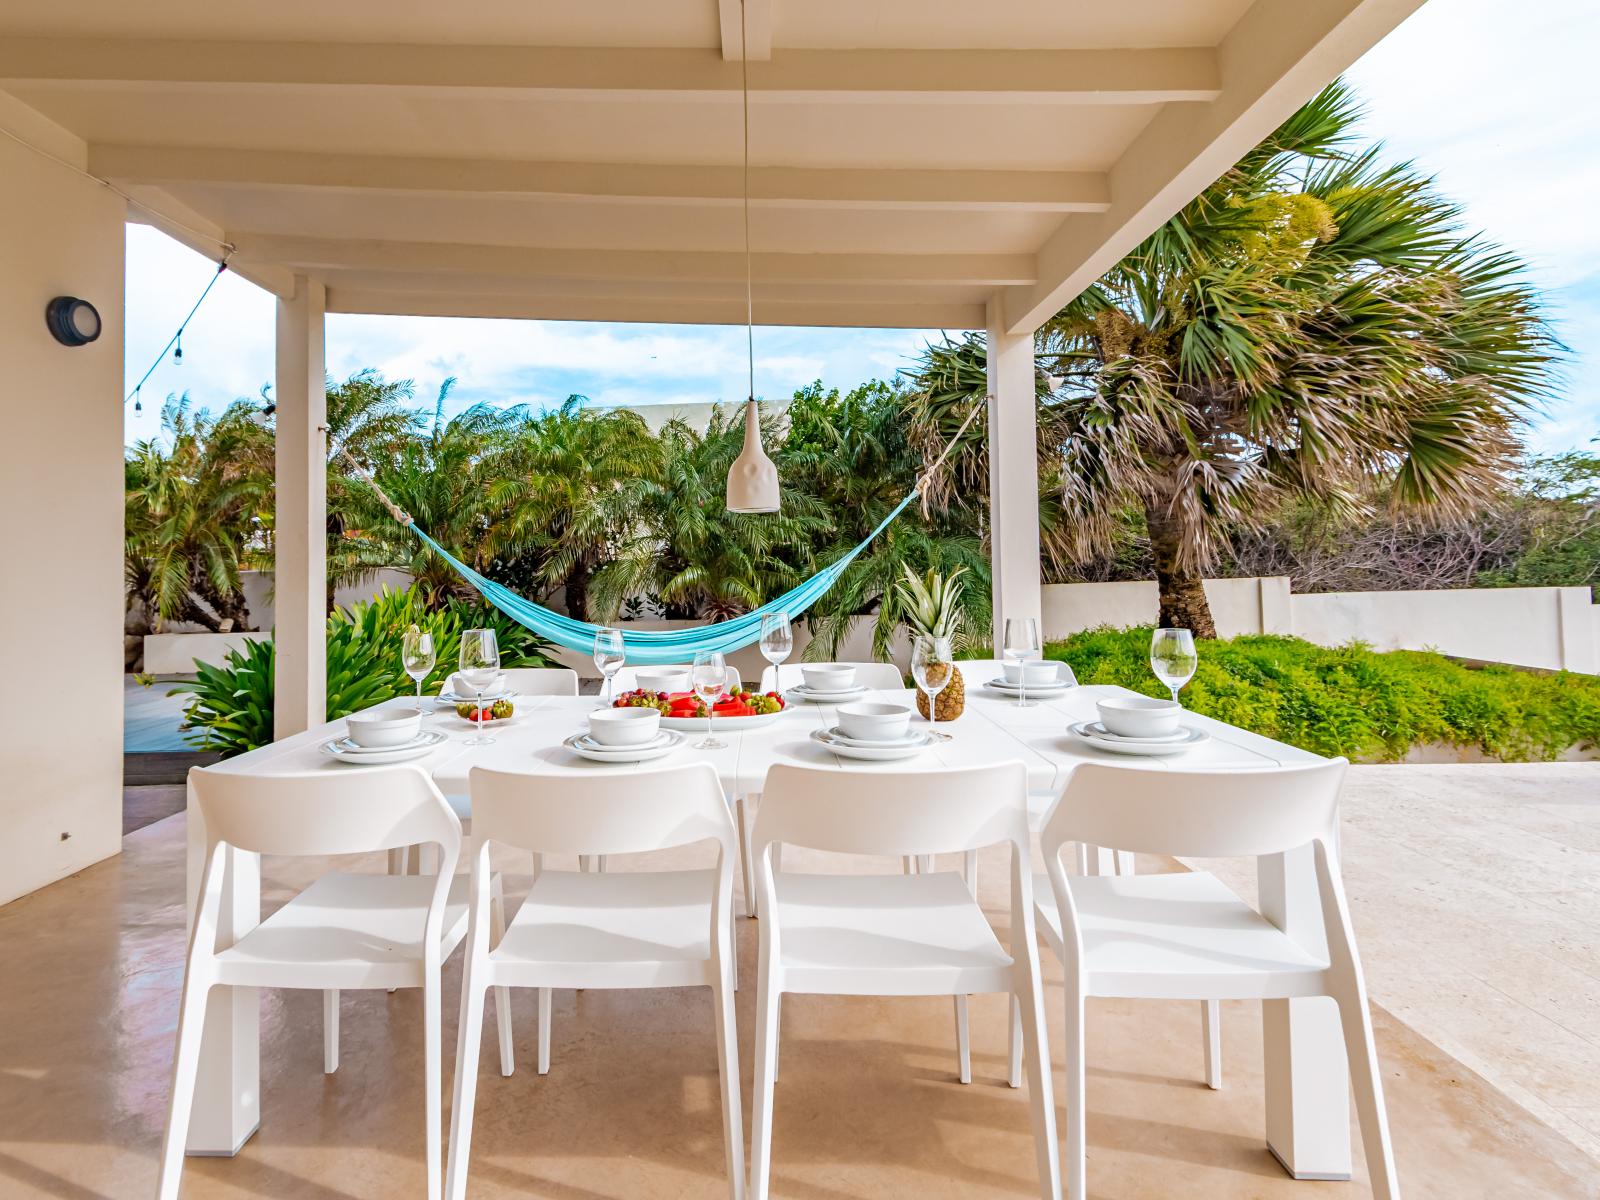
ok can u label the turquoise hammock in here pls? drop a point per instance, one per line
(654, 647)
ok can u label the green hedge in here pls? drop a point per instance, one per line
(1355, 701)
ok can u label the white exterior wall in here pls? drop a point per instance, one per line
(1547, 628)
(61, 492)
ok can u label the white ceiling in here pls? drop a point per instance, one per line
(914, 160)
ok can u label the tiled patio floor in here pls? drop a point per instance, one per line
(867, 1105)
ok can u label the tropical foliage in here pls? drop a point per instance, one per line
(232, 709)
(1355, 701)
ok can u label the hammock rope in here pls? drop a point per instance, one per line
(654, 647)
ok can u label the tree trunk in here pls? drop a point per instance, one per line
(578, 593)
(1183, 594)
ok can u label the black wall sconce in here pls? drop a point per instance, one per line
(72, 322)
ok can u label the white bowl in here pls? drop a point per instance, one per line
(384, 727)
(828, 677)
(1139, 716)
(666, 679)
(1033, 673)
(873, 722)
(624, 726)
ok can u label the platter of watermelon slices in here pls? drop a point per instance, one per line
(734, 710)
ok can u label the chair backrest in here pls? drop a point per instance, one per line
(542, 681)
(877, 675)
(626, 680)
(893, 813)
(626, 813)
(1201, 814)
(321, 813)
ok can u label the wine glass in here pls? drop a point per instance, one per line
(479, 666)
(932, 665)
(1173, 658)
(417, 656)
(1021, 646)
(777, 641)
(709, 675)
(609, 655)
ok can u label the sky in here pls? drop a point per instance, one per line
(1494, 98)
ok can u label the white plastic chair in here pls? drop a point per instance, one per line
(542, 681)
(344, 931)
(894, 935)
(877, 675)
(621, 929)
(1187, 936)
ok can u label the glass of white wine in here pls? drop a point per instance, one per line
(932, 665)
(418, 656)
(1173, 658)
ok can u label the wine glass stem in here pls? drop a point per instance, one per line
(478, 696)
(1174, 693)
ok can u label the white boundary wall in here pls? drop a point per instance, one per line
(1549, 628)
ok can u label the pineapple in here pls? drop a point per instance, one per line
(933, 609)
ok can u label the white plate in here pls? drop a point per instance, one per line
(721, 724)
(663, 737)
(346, 751)
(447, 700)
(915, 736)
(1034, 689)
(580, 745)
(1097, 729)
(870, 753)
(1191, 738)
(801, 692)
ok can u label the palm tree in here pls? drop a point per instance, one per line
(196, 502)
(1316, 325)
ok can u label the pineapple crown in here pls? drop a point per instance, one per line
(932, 602)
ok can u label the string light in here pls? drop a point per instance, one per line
(175, 342)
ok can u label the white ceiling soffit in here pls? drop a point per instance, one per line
(534, 158)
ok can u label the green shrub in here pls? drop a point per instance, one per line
(1354, 701)
(232, 706)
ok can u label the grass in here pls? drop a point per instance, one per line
(1355, 701)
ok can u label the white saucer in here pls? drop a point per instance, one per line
(347, 751)
(801, 692)
(844, 749)
(1033, 689)
(1191, 738)
(664, 743)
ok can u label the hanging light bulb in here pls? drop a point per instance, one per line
(177, 350)
(753, 478)
(138, 404)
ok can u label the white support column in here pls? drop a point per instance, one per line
(1013, 476)
(300, 540)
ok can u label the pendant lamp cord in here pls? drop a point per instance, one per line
(749, 290)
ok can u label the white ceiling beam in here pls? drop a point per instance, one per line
(313, 256)
(654, 310)
(779, 187)
(757, 29)
(812, 76)
(156, 208)
(1275, 59)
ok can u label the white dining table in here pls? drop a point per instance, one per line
(1306, 1094)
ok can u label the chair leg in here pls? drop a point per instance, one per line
(728, 1075)
(1211, 1035)
(433, 1072)
(1014, 1068)
(969, 871)
(1076, 1165)
(747, 872)
(1036, 1059)
(185, 1071)
(502, 995)
(544, 1031)
(1367, 1088)
(330, 1031)
(466, 1091)
(963, 1043)
(765, 1076)
(908, 865)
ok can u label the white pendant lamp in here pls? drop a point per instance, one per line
(753, 478)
